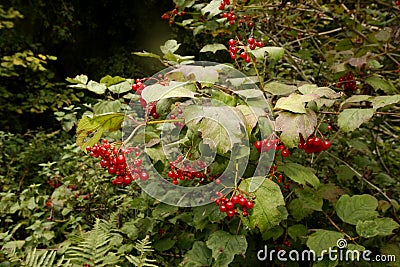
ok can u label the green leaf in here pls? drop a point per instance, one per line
(199, 255)
(382, 36)
(225, 246)
(213, 48)
(96, 87)
(379, 83)
(298, 210)
(330, 191)
(323, 240)
(175, 89)
(169, 46)
(220, 126)
(164, 244)
(352, 118)
(147, 54)
(121, 87)
(356, 99)
(320, 91)
(294, 102)
(277, 88)
(80, 79)
(107, 107)
(356, 208)
(309, 198)
(129, 228)
(184, 3)
(207, 74)
(299, 173)
(291, 125)
(211, 8)
(383, 101)
(266, 213)
(96, 126)
(297, 230)
(250, 118)
(378, 226)
(108, 80)
(274, 52)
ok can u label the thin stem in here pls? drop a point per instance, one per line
(133, 133)
(164, 121)
(361, 177)
(337, 227)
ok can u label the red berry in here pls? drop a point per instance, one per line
(251, 40)
(252, 46)
(144, 176)
(243, 55)
(249, 204)
(232, 42)
(326, 145)
(235, 200)
(112, 169)
(245, 214)
(230, 213)
(222, 208)
(285, 153)
(229, 205)
(258, 144)
(242, 201)
(120, 159)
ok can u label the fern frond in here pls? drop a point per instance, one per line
(37, 258)
(144, 248)
(95, 246)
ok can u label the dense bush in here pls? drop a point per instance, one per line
(318, 106)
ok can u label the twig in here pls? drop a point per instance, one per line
(337, 227)
(360, 176)
(379, 153)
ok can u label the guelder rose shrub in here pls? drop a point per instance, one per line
(317, 166)
(281, 134)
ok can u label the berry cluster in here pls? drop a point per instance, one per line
(347, 82)
(177, 115)
(138, 87)
(114, 160)
(180, 170)
(223, 4)
(54, 182)
(231, 206)
(235, 47)
(253, 43)
(231, 17)
(314, 144)
(171, 14)
(268, 144)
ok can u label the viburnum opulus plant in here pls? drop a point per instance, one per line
(276, 145)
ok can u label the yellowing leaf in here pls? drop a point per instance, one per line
(291, 125)
(295, 102)
(90, 130)
(350, 119)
